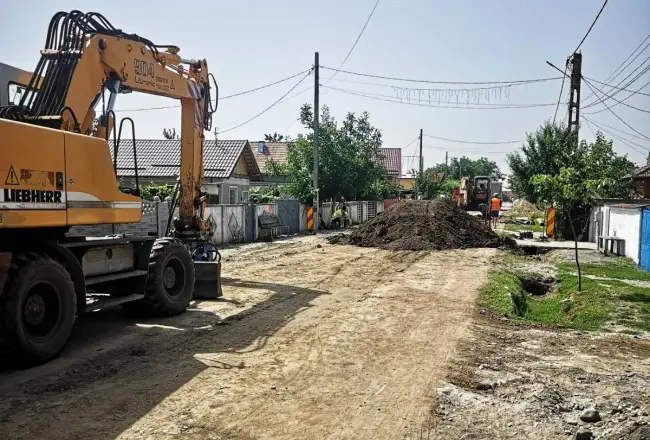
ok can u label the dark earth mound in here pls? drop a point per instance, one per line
(424, 225)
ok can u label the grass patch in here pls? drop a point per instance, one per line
(619, 268)
(599, 302)
(516, 228)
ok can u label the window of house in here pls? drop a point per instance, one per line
(260, 147)
(233, 196)
(213, 199)
(244, 196)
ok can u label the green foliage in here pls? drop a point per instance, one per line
(263, 194)
(428, 184)
(468, 168)
(170, 133)
(150, 191)
(275, 137)
(274, 168)
(349, 154)
(544, 152)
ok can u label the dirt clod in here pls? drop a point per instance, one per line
(424, 225)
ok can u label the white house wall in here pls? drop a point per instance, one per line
(626, 223)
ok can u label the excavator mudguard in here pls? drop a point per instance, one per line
(207, 279)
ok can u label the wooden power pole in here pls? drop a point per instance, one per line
(316, 161)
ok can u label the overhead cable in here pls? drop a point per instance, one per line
(474, 142)
(270, 106)
(637, 92)
(356, 41)
(612, 112)
(627, 142)
(621, 102)
(516, 82)
(227, 96)
(591, 27)
(452, 105)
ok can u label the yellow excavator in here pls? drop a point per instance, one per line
(57, 171)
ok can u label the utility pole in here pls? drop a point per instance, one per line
(421, 161)
(316, 111)
(446, 163)
(574, 101)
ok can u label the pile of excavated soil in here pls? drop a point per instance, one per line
(523, 208)
(424, 225)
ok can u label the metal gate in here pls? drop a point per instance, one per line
(644, 257)
(249, 213)
(289, 213)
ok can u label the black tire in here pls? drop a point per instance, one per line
(40, 307)
(170, 285)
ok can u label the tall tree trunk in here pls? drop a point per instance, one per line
(575, 241)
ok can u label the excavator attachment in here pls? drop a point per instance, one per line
(207, 271)
(207, 279)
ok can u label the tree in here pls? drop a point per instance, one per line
(544, 152)
(469, 168)
(274, 168)
(275, 137)
(592, 171)
(170, 133)
(350, 160)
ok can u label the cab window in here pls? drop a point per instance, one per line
(16, 93)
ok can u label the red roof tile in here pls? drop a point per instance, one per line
(277, 151)
(392, 160)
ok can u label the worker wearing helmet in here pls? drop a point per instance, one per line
(495, 207)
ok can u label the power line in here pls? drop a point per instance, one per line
(632, 81)
(466, 150)
(614, 75)
(637, 92)
(612, 112)
(224, 97)
(475, 142)
(270, 106)
(517, 82)
(627, 142)
(356, 41)
(632, 93)
(409, 144)
(566, 66)
(591, 27)
(617, 129)
(621, 102)
(392, 99)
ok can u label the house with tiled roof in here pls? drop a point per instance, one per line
(265, 150)
(392, 161)
(229, 166)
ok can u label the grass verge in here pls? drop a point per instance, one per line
(600, 304)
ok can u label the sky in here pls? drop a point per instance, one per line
(250, 43)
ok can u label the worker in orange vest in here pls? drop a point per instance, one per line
(495, 207)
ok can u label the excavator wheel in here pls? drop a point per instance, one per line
(40, 307)
(171, 280)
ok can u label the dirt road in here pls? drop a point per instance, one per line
(311, 341)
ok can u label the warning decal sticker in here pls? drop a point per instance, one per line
(12, 178)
